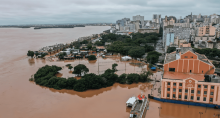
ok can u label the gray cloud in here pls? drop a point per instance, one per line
(90, 11)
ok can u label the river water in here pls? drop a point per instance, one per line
(20, 98)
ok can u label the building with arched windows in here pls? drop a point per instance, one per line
(189, 76)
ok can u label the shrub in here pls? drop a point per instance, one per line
(92, 57)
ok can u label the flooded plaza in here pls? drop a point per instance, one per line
(20, 98)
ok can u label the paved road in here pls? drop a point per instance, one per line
(159, 46)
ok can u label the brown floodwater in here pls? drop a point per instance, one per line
(20, 98)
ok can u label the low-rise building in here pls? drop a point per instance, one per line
(148, 30)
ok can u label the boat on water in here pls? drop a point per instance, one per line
(139, 106)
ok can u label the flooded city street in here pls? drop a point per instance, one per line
(21, 98)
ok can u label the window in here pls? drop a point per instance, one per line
(174, 96)
(180, 90)
(198, 98)
(211, 99)
(186, 56)
(168, 95)
(168, 83)
(180, 84)
(212, 87)
(185, 96)
(186, 91)
(205, 92)
(199, 86)
(205, 86)
(191, 57)
(180, 96)
(174, 84)
(191, 97)
(168, 89)
(172, 69)
(198, 92)
(174, 90)
(204, 99)
(192, 91)
(211, 93)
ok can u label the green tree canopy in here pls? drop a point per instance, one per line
(30, 53)
(70, 67)
(136, 52)
(89, 46)
(153, 56)
(99, 43)
(84, 42)
(122, 78)
(67, 65)
(171, 49)
(61, 55)
(114, 67)
(148, 48)
(144, 76)
(80, 69)
(92, 57)
(133, 77)
(110, 77)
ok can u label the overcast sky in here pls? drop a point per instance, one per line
(92, 11)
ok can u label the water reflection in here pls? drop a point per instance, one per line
(95, 92)
(92, 62)
(43, 61)
(31, 61)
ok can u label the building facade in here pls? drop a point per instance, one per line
(206, 31)
(189, 76)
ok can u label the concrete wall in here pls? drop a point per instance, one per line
(168, 89)
(148, 30)
(206, 30)
(189, 62)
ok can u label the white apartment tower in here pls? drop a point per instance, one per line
(140, 18)
(156, 18)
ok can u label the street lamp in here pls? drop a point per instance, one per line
(159, 110)
(200, 113)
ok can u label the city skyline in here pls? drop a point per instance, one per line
(94, 11)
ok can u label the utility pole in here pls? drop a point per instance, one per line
(98, 65)
(218, 115)
(200, 113)
(159, 110)
(125, 67)
(79, 60)
(206, 109)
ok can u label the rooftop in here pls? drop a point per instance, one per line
(177, 75)
(172, 56)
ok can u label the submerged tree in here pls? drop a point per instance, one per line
(80, 69)
(144, 76)
(92, 57)
(67, 65)
(30, 53)
(70, 67)
(114, 67)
